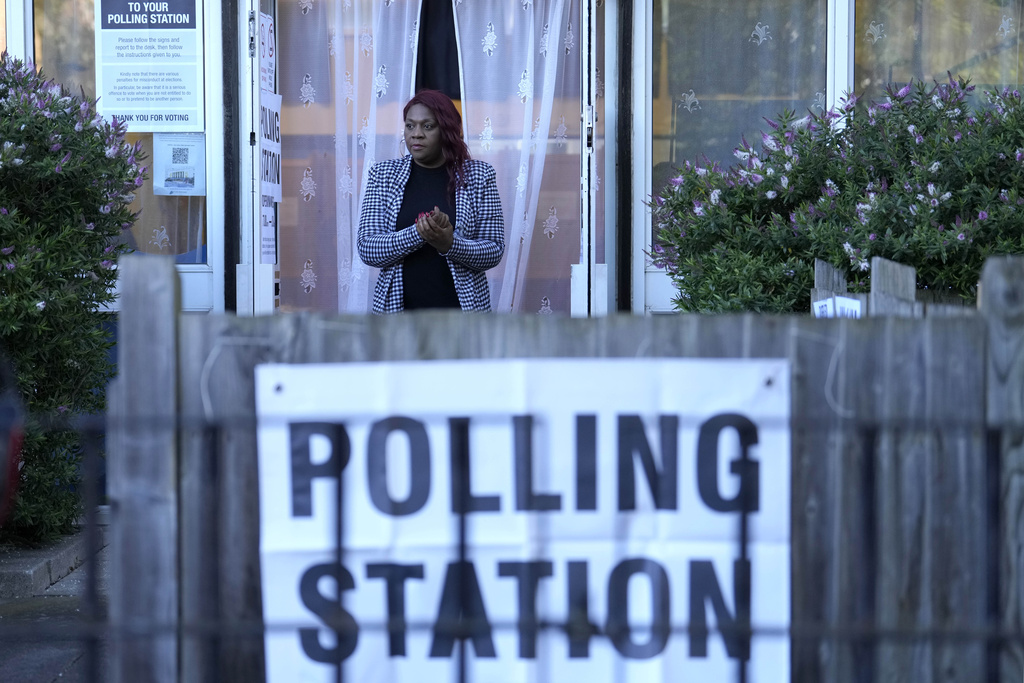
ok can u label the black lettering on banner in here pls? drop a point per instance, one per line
(618, 628)
(303, 469)
(462, 614)
(580, 629)
(463, 499)
(395, 575)
(419, 466)
(747, 498)
(735, 629)
(633, 439)
(331, 612)
(526, 498)
(270, 125)
(586, 462)
(528, 575)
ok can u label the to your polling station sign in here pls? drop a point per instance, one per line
(601, 501)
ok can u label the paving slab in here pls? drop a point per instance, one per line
(47, 632)
(25, 572)
(47, 638)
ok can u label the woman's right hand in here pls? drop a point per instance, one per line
(436, 230)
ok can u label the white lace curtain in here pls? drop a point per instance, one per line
(346, 69)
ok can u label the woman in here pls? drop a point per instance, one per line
(431, 221)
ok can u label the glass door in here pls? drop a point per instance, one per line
(176, 218)
(344, 73)
(711, 73)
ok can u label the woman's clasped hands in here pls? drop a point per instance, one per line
(435, 229)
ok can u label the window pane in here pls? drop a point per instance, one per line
(3, 26)
(720, 68)
(65, 51)
(900, 40)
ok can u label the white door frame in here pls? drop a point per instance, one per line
(652, 289)
(254, 280)
(589, 280)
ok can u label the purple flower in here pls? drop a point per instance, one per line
(9, 266)
(904, 91)
(62, 409)
(3, 211)
(872, 236)
(957, 137)
(6, 250)
(106, 264)
(55, 147)
(982, 215)
(677, 181)
(960, 237)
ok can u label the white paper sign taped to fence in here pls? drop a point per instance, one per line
(621, 520)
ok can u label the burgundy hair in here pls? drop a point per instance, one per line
(454, 148)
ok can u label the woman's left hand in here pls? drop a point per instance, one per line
(436, 230)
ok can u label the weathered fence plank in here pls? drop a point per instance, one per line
(143, 476)
(893, 289)
(1003, 307)
(221, 574)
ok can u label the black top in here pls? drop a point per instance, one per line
(426, 278)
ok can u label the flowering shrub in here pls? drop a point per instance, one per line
(66, 183)
(922, 178)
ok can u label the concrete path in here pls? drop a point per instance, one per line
(44, 614)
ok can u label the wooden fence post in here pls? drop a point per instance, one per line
(1003, 307)
(143, 474)
(893, 290)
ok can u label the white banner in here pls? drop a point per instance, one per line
(270, 145)
(607, 494)
(149, 64)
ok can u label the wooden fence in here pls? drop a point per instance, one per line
(907, 470)
(893, 292)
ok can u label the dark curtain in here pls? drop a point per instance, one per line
(437, 63)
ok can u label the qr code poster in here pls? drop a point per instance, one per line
(179, 163)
